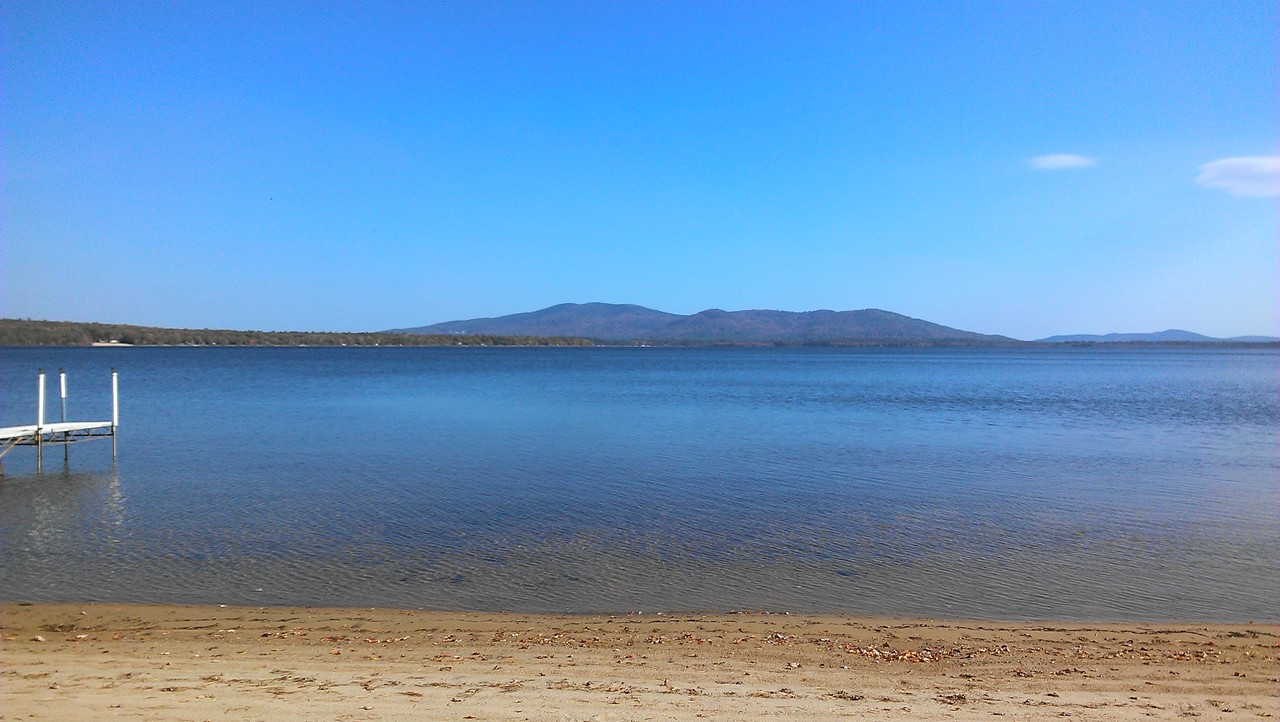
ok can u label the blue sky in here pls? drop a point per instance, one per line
(1026, 168)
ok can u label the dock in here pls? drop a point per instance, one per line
(63, 432)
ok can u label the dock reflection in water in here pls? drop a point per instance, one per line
(54, 520)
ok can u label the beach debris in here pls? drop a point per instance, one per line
(466, 694)
(37, 638)
(58, 627)
(783, 693)
(887, 653)
(847, 696)
(295, 632)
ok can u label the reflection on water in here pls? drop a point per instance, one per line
(1058, 485)
(50, 520)
(53, 504)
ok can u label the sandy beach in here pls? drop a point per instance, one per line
(109, 661)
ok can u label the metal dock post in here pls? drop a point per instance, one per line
(40, 422)
(62, 391)
(115, 410)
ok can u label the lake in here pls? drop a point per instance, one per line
(965, 483)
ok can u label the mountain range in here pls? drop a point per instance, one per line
(625, 322)
(582, 324)
(1173, 335)
(611, 322)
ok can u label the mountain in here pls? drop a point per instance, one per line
(1172, 335)
(614, 322)
(584, 320)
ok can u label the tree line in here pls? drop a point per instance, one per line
(26, 332)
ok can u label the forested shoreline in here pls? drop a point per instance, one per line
(25, 332)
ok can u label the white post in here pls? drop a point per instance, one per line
(115, 410)
(40, 424)
(62, 395)
(40, 402)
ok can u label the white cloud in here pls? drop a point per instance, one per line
(1257, 176)
(1059, 161)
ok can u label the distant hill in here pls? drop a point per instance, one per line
(616, 322)
(589, 320)
(1172, 335)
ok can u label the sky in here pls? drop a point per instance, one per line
(1020, 168)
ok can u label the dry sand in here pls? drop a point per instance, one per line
(106, 662)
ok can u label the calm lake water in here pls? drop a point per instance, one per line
(1052, 484)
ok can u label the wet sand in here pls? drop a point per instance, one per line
(108, 661)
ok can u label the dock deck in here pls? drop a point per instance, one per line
(26, 435)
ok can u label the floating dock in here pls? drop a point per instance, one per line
(62, 432)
